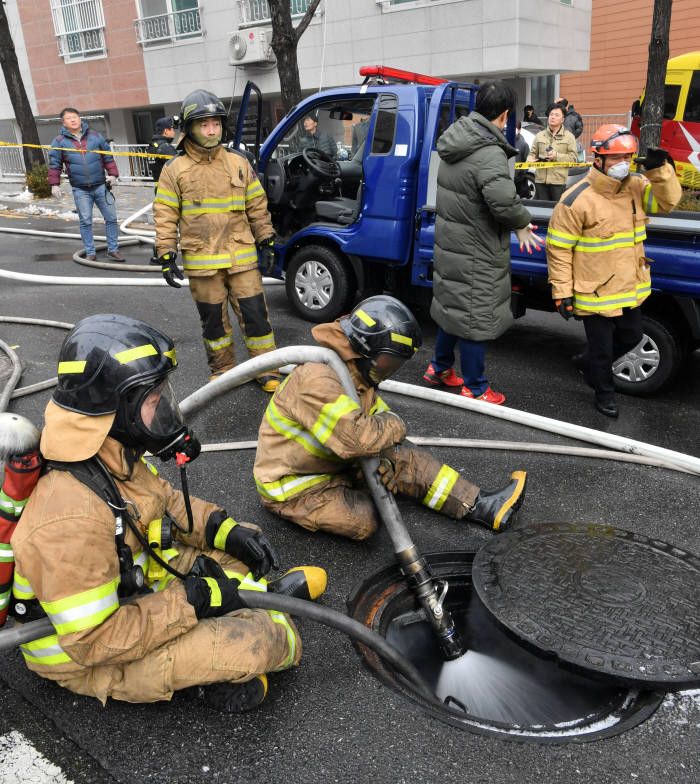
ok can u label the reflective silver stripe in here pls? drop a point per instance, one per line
(84, 611)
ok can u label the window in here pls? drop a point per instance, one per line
(79, 26)
(257, 11)
(165, 21)
(385, 125)
(671, 94)
(692, 104)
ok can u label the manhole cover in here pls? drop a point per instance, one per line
(599, 598)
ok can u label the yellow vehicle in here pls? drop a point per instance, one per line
(680, 131)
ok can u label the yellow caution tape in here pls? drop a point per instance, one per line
(97, 152)
(550, 164)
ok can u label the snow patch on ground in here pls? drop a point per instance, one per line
(21, 762)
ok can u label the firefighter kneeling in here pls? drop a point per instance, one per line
(112, 403)
(312, 434)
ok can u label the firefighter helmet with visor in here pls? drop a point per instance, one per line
(613, 139)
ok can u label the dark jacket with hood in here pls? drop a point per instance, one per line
(477, 207)
(85, 169)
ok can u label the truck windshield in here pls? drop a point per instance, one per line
(337, 128)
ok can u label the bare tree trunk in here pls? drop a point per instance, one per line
(18, 95)
(653, 107)
(285, 38)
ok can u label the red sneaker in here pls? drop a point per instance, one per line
(489, 396)
(446, 378)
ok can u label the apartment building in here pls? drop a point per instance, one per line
(124, 63)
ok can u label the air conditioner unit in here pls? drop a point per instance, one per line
(249, 45)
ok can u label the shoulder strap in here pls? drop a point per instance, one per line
(92, 476)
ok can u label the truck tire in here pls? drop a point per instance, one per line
(319, 283)
(653, 363)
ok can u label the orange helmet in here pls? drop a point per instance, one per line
(613, 139)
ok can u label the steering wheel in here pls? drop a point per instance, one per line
(320, 163)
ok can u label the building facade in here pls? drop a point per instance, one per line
(124, 63)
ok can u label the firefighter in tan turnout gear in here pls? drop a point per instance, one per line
(595, 251)
(213, 196)
(313, 434)
(101, 524)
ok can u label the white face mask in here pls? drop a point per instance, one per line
(619, 171)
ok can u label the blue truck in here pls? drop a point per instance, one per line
(363, 221)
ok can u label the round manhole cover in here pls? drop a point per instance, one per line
(599, 598)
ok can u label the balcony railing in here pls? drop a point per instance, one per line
(258, 11)
(166, 28)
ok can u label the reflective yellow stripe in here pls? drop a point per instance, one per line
(440, 488)
(6, 554)
(207, 261)
(171, 356)
(295, 432)
(330, 415)
(211, 206)
(219, 343)
(264, 341)
(368, 320)
(246, 255)
(168, 198)
(21, 589)
(83, 610)
(10, 506)
(288, 486)
(215, 592)
(401, 339)
(281, 619)
(45, 650)
(379, 406)
(138, 352)
(223, 532)
(623, 299)
(560, 239)
(71, 367)
(150, 466)
(651, 206)
(254, 190)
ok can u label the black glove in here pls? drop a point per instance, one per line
(266, 256)
(654, 158)
(209, 590)
(565, 307)
(387, 474)
(170, 269)
(247, 544)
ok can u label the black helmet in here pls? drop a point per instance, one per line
(111, 364)
(105, 355)
(199, 104)
(382, 325)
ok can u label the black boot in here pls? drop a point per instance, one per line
(497, 510)
(302, 582)
(235, 697)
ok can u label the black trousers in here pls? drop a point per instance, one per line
(609, 337)
(549, 192)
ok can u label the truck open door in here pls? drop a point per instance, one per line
(248, 127)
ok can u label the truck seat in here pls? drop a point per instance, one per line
(340, 210)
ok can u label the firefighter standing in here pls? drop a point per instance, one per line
(215, 198)
(112, 403)
(312, 434)
(595, 251)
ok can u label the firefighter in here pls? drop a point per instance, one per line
(187, 625)
(211, 193)
(313, 434)
(595, 252)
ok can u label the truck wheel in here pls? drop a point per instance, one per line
(319, 284)
(652, 363)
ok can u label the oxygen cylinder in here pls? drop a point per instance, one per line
(19, 451)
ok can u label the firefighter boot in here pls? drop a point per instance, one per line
(235, 697)
(302, 582)
(497, 510)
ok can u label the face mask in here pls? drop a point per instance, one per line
(619, 171)
(201, 139)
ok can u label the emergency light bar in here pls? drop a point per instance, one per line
(398, 75)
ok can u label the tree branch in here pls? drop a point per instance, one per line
(306, 19)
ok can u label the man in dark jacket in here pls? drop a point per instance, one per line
(86, 174)
(572, 119)
(161, 144)
(477, 208)
(316, 139)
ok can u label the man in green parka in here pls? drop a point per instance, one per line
(477, 208)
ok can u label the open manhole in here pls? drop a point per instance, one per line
(500, 687)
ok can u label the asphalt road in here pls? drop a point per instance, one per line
(330, 720)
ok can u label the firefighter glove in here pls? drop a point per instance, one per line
(170, 269)
(249, 545)
(387, 474)
(212, 597)
(565, 307)
(266, 256)
(654, 158)
(56, 191)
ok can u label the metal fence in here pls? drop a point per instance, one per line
(130, 167)
(166, 28)
(593, 121)
(258, 11)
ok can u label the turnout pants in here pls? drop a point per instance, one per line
(609, 337)
(244, 291)
(342, 507)
(234, 648)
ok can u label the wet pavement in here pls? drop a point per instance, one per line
(330, 720)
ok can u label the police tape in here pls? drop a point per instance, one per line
(550, 164)
(97, 152)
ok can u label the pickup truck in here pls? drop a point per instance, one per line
(363, 222)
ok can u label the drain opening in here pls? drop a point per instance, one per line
(498, 687)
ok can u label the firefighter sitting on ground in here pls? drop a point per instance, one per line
(312, 434)
(112, 403)
(215, 198)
